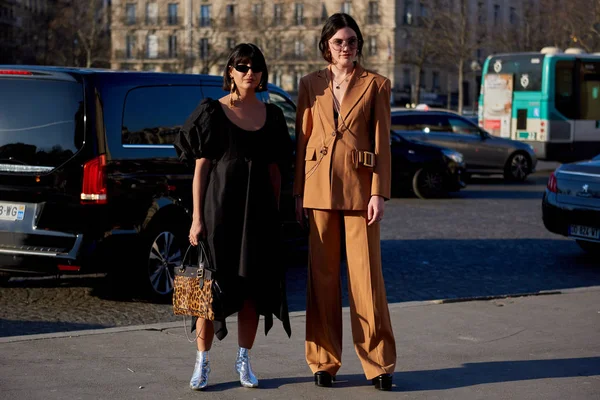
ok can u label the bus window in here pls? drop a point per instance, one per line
(526, 69)
(564, 97)
(590, 91)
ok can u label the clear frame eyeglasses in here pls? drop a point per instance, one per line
(339, 44)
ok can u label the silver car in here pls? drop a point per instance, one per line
(483, 153)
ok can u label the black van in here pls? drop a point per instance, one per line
(89, 179)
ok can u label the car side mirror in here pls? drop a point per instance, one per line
(484, 135)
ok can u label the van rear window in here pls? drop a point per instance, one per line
(41, 124)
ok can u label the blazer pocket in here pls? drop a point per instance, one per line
(310, 154)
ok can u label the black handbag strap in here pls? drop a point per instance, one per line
(202, 254)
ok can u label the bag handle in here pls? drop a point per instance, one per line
(203, 261)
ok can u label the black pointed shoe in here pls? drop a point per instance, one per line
(323, 379)
(383, 382)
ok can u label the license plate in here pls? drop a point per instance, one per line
(584, 231)
(12, 211)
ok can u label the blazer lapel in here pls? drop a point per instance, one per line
(357, 86)
(325, 101)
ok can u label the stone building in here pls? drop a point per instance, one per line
(196, 36)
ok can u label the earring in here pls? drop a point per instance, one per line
(231, 93)
(260, 87)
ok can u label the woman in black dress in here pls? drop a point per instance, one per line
(238, 146)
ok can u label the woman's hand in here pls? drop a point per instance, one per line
(196, 232)
(301, 213)
(375, 209)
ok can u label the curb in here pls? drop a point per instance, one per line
(296, 314)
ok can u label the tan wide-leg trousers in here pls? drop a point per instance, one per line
(371, 326)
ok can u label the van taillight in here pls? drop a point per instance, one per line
(552, 185)
(14, 72)
(93, 189)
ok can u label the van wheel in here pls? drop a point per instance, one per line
(517, 168)
(4, 277)
(164, 248)
(589, 247)
(428, 184)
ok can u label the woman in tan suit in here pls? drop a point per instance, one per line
(342, 179)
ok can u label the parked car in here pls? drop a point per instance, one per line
(428, 170)
(571, 203)
(89, 175)
(483, 153)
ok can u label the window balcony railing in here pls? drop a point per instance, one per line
(373, 19)
(173, 20)
(127, 20)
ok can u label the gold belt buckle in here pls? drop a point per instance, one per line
(368, 159)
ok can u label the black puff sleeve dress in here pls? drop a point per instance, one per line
(240, 209)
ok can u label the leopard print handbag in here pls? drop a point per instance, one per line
(193, 285)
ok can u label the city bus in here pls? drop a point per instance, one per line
(549, 99)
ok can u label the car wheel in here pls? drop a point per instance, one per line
(164, 249)
(428, 183)
(517, 168)
(589, 247)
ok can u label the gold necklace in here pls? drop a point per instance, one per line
(338, 84)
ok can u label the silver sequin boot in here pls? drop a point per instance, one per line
(201, 370)
(242, 367)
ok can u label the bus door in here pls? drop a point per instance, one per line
(587, 125)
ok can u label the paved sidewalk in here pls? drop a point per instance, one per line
(536, 347)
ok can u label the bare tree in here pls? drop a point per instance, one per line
(461, 38)
(79, 33)
(425, 43)
(581, 24)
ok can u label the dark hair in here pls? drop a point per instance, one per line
(334, 24)
(246, 53)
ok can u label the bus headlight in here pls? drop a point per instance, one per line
(454, 155)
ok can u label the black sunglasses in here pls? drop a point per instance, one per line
(244, 68)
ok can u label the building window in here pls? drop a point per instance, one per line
(277, 14)
(130, 13)
(406, 79)
(151, 13)
(152, 46)
(496, 14)
(372, 47)
(373, 15)
(481, 12)
(347, 7)
(297, 77)
(513, 16)
(299, 14)
(324, 14)
(257, 12)
(408, 12)
(277, 50)
(277, 78)
(172, 46)
(230, 14)
(422, 79)
(299, 48)
(230, 43)
(129, 46)
(205, 15)
(204, 49)
(172, 16)
(435, 81)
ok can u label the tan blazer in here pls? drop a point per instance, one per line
(327, 172)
